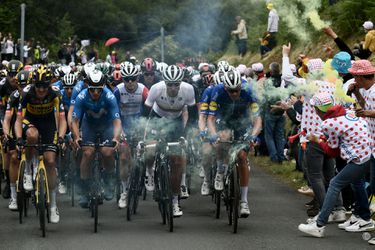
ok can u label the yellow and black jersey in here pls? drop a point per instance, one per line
(31, 107)
(6, 90)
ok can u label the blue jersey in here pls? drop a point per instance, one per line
(205, 100)
(100, 112)
(76, 90)
(59, 84)
(234, 113)
(65, 99)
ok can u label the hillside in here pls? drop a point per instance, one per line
(311, 49)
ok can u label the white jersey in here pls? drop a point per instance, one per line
(170, 107)
(130, 103)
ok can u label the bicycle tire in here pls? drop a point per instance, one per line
(236, 198)
(41, 203)
(218, 203)
(132, 193)
(167, 196)
(21, 190)
(96, 213)
(229, 199)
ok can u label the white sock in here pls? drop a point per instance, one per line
(13, 191)
(28, 167)
(183, 179)
(244, 194)
(124, 186)
(175, 199)
(52, 197)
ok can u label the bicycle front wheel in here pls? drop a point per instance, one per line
(21, 196)
(132, 194)
(42, 201)
(166, 194)
(235, 198)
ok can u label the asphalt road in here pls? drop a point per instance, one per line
(276, 211)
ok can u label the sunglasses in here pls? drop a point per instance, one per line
(173, 84)
(95, 90)
(42, 85)
(232, 91)
(148, 74)
(68, 87)
(130, 78)
(12, 74)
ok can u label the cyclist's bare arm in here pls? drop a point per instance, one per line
(6, 123)
(202, 122)
(211, 124)
(18, 125)
(70, 119)
(62, 124)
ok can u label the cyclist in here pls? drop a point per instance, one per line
(68, 81)
(98, 109)
(23, 78)
(131, 96)
(89, 67)
(41, 114)
(149, 75)
(172, 100)
(59, 73)
(202, 124)
(7, 85)
(233, 103)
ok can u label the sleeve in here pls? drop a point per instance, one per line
(76, 90)
(329, 129)
(144, 93)
(113, 106)
(78, 107)
(240, 28)
(368, 41)
(213, 107)
(116, 93)
(190, 100)
(151, 98)
(59, 106)
(287, 74)
(344, 47)
(204, 102)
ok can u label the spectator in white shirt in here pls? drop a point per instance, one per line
(273, 25)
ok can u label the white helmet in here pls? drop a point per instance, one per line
(69, 80)
(161, 66)
(88, 68)
(232, 79)
(218, 77)
(96, 79)
(222, 63)
(173, 73)
(129, 69)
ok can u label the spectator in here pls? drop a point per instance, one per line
(68, 54)
(9, 47)
(272, 26)
(241, 36)
(365, 49)
(37, 53)
(112, 57)
(61, 54)
(2, 48)
(274, 120)
(26, 54)
(264, 42)
(44, 54)
(258, 71)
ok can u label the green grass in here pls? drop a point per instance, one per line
(285, 172)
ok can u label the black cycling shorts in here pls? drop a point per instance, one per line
(46, 129)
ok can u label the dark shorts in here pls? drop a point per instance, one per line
(46, 129)
(170, 129)
(238, 129)
(90, 132)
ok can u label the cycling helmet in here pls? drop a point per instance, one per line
(222, 63)
(148, 65)
(227, 68)
(232, 79)
(69, 80)
(96, 79)
(42, 74)
(130, 70)
(218, 77)
(116, 75)
(188, 72)
(87, 69)
(162, 66)
(3, 73)
(64, 70)
(28, 68)
(24, 77)
(104, 67)
(14, 66)
(173, 73)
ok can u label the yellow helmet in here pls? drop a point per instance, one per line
(270, 6)
(42, 74)
(14, 66)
